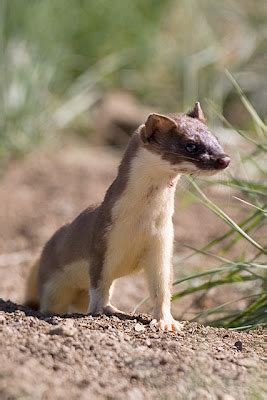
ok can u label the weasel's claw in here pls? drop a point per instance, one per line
(167, 325)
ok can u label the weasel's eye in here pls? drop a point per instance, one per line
(191, 147)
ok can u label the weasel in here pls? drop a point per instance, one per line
(132, 228)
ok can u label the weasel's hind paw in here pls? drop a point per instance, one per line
(167, 325)
(109, 310)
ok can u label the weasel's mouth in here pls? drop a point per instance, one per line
(218, 164)
(202, 167)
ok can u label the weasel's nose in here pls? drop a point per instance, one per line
(222, 162)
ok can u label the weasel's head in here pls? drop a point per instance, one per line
(185, 142)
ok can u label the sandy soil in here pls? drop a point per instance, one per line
(84, 358)
(106, 358)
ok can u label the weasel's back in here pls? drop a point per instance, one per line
(69, 246)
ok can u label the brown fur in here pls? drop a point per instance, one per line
(185, 130)
(86, 234)
(32, 297)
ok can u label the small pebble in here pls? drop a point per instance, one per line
(2, 319)
(163, 361)
(135, 394)
(139, 327)
(238, 345)
(63, 330)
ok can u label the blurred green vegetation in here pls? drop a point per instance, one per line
(240, 267)
(167, 53)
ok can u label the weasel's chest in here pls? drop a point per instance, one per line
(136, 223)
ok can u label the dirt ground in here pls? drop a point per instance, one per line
(106, 358)
(47, 357)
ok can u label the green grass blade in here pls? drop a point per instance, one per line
(213, 310)
(251, 205)
(260, 301)
(219, 239)
(246, 103)
(259, 146)
(209, 285)
(225, 217)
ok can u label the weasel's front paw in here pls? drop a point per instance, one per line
(167, 325)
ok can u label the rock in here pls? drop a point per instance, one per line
(239, 345)
(135, 394)
(64, 330)
(248, 363)
(2, 319)
(153, 325)
(139, 327)
(225, 396)
(163, 361)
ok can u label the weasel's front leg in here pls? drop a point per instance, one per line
(157, 265)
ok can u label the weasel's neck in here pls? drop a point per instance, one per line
(149, 169)
(145, 171)
(142, 175)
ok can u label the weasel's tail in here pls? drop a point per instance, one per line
(31, 292)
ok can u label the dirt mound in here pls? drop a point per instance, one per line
(48, 357)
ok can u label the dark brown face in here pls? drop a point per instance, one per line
(185, 142)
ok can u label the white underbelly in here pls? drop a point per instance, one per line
(127, 244)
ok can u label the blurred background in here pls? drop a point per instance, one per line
(60, 58)
(78, 76)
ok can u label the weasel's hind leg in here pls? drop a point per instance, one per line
(80, 302)
(56, 296)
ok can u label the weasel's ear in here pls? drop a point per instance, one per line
(157, 122)
(197, 113)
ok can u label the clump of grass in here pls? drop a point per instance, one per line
(25, 110)
(250, 265)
